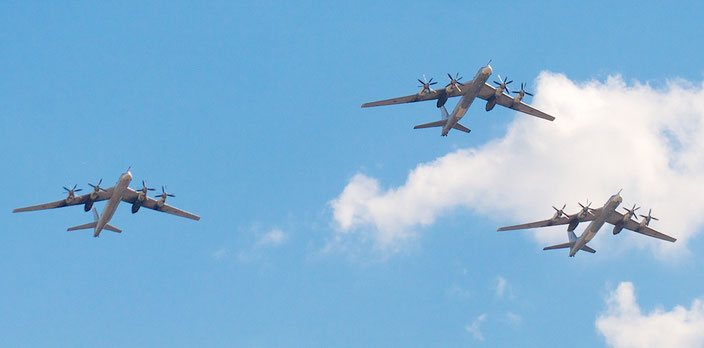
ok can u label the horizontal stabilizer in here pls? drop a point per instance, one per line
(559, 246)
(83, 227)
(112, 228)
(460, 127)
(440, 123)
(588, 249)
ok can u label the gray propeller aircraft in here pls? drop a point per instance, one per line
(478, 87)
(597, 218)
(114, 195)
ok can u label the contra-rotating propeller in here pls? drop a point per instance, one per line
(522, 92)
(503, 84)
(144, 188)
(97, 187)
(561, 211)
(164, 194)
(455, 82)
(649, 217)
(632, 211)
(425, 84)
(585, 209)
(73, 190)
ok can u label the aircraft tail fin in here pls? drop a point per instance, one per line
(112, 228)
(89, 225)
(82, 227)
(440, 123)
(569, 245)
(444, 113)
(559, 246)
(588, 249)
(460, 127)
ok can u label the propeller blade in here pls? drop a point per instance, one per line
(433, 83)
(78, 190)
(529, 94)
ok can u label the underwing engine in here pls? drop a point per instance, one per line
(617, 229)
(135, 206)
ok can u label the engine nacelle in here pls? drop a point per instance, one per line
(441, 100)
(490, 103)
(617, 229)
(135, 206)
(88, 205)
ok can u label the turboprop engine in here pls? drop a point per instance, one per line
(630, 214)
(162, 197)
(500, 88)
(520, 94)
(425, 85)
(141, 197)
(646, 219)
(71, 193)
(618, 228)
(454, 84)
(93, 195)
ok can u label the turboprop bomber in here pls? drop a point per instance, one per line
(469, 91)
(114, 195)
(596, 217)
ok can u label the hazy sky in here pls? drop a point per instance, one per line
(250, 113)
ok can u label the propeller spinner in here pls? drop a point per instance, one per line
(585, 209)
(560, 212)
(144, 188)
(632, 211)
(97, 187)
(649, 217)
(73, 190)
(454, 82)
(503, 84)
(425, 85)
(522, 92)
(164, 194)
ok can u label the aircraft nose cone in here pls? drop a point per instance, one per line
(619, 199)
(488, 70)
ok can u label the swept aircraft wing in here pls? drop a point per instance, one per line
(131, 196)
(634, 226)
(413, 98)
(485, 93)
(505, 100)
(563, 220)
(78, 200)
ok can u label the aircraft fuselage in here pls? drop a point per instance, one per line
(469, 92)
(596, 224)
(113, 202)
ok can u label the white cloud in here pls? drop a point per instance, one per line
(607, 135)
(474, 328)
(624, 325)
(221, 253)
(272, 238)
(501, 284)
(513, 318)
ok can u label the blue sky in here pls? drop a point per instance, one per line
(249, 112)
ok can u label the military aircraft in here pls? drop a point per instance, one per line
(478, 87)
(114, 195)
(598, 217)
